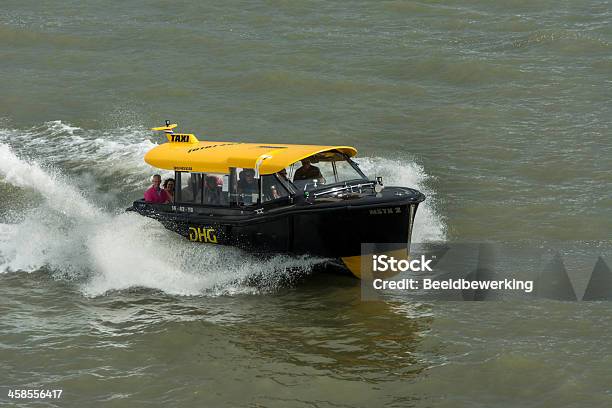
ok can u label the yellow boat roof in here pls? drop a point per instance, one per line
(184, 152)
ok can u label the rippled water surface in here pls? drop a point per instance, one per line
(500, 112)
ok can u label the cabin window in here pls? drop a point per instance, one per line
(189, 187)
(345, 171)
(244, 187)
(272, 188)
(202, 188)
(322, 169)
(216, 189)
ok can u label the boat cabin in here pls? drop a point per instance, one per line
(240, 187)
(241, 175)
(278, 198)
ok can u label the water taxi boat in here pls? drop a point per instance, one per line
(278, 198)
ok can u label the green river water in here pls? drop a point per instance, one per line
(500, 112)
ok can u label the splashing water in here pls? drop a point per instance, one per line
(104, 252)
(428, 225)
(109, 155)
(59, 195)
(110, 250)
(145, 254)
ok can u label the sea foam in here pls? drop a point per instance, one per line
(103, 249)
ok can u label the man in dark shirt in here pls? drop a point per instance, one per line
(248, 187)
(308, 172)
(247, 183)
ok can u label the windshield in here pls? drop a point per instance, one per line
(323, 169)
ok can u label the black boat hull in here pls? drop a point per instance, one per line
(331, 229)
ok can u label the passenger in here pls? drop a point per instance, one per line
(247, 183)
(270, 185)
(247, 186)
(308, 172)
(169, 187)
(213, 187)
(155, 194)
(190, 189)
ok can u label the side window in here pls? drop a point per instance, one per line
(311, 173)
(345, 171)
(244, 187)
(216, 189)
(327, 171)
(190, 188)
(272, 188)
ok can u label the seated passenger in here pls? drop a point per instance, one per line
(247, 183)
(308, 172)
(278, 192)
(155, 194)
(213, 186)
(247, 186)
(272, 188)
(169, 187)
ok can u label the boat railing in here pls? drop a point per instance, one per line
(351, 188)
